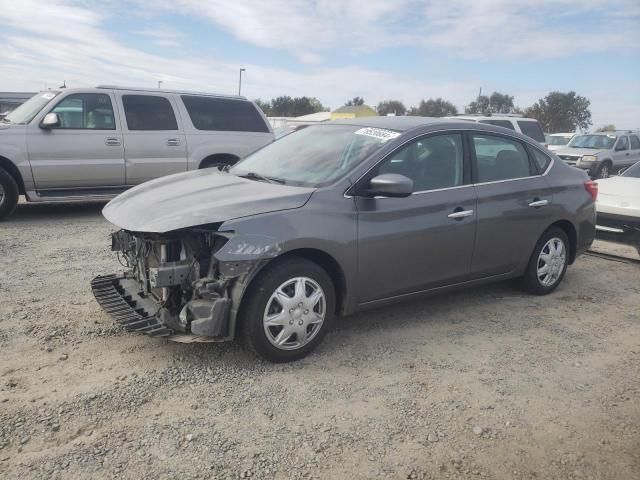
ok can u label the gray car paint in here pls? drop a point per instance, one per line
(372, 247)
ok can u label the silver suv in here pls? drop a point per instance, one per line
(513, 121)
(602, 154)
(77, 144)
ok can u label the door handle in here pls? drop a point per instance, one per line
(112, 141)
(173, 142)
(459, 214)
(539, 203)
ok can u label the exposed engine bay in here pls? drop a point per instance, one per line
(174, 284)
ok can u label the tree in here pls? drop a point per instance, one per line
(561, 112)
(354, 102)
(496, 103)
(264, 106)
(294, 107)
(391, 106)
(607, 128)
(434, 108)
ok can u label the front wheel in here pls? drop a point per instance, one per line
(604, 171)
(9, 194)
(289, 308)
(548, 263)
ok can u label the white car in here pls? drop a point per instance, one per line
(556, 141)
(618, 207)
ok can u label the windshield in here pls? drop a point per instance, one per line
(558, 139)
(29, 109)
(604, 142)
(633, 171)
(315, 155)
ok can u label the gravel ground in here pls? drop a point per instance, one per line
(487, 383)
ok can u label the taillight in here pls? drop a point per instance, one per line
(591, 187)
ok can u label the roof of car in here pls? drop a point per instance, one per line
(392, 123)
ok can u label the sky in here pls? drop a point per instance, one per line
(334, 49)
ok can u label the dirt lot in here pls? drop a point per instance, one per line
(489, 383)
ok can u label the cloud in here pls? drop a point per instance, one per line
(162, 36)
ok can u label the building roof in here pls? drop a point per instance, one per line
(352, 109)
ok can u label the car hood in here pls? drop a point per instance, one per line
(620, 192)
(578, 151)
(198, 198)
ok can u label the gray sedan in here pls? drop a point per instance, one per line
(340, 217)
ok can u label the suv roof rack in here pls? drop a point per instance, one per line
(163, 90)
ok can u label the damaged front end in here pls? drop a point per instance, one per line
(175, 286)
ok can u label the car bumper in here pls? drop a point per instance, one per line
(618, 228)
(121, 298)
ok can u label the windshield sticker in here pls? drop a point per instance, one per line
(48, 96)
(379, 133)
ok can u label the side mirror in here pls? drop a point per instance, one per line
(50, 120)
(390, 185)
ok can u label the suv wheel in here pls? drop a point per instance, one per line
(289, 309)
(604, 170)
(548, 263)
(8, 194)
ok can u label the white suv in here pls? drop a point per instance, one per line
(94, 143)
(527, 126)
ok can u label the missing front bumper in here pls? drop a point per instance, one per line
(120, 297)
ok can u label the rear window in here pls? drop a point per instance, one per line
(499, 123)
(532, 129)
(223, 114)
(148, 112)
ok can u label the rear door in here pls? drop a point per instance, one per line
(634, 145)
(84, 151)
(425, 240)
(155, 143)
(513, 200)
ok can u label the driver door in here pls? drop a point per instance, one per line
(421, 241)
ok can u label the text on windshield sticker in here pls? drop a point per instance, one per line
(379, 133)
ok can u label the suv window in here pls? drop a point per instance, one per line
(148, 112)
(431, 162)
(499, 158)
(499, 123)
(635, 142)
(223, 114)
(532, 129)
(623, 143)
(91, 111)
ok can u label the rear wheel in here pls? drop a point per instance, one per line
(548, 263)
(8, 194)
(289, 308)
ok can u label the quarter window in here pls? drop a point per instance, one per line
(499, 158)
(541, 159)
(532, 129)
(431, 162)
(90, 111)
(635, 142)
(223, 114)
(148, 112)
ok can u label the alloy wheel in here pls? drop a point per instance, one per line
(551, 262)
(294, 313)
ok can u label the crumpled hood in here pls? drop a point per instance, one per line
(578, 152)
(619, 192)
(197, 198)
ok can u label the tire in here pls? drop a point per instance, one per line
(539, 283)
(288, 319)
(8, 194)
(604, 170)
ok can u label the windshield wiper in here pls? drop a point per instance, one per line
(257, 176)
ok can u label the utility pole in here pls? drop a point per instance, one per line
(240, 80)
(480, 93)
(159, 84)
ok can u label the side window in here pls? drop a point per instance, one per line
(223, 114)
(635, 142)
(499, 158)
(532, 129)
(500, 123)
(623, 143)
(148, 112)
(541, 159)
(86, 111)
(431, 162)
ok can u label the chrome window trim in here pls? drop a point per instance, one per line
(543, 174)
